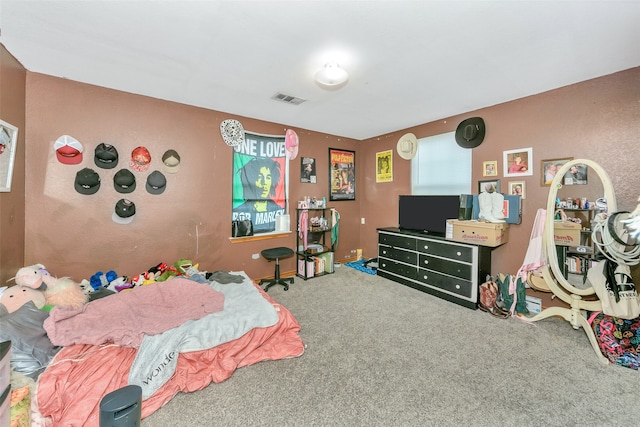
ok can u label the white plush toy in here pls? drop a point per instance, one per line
(32, 276)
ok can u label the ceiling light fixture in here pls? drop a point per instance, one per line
(331, 76)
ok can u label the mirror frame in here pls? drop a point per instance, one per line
(551, 271)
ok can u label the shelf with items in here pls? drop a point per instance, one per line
(574, 245)
(314, 250)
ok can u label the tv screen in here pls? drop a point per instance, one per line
(427, 214)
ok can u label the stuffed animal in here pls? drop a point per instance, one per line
(32, 276)
(64, 292)
(102, 280)
(14, 297)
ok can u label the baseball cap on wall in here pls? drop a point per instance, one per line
(87, 181)
(156, 183)
(171, 161)
(106, 156)
(140, 159)
(124, 212)
(124, 181)
(68, 150)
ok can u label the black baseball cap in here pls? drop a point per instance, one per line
(124, 181)
(124, 211)
(156, 182)
(106, 156)
(87, 181)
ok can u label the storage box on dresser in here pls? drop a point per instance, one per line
(449, 270)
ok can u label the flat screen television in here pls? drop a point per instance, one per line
(427, 214)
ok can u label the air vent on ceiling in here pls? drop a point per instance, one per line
(288, 99)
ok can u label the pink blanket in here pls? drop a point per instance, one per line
(70, 390)
(123, 318)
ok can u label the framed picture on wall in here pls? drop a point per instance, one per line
(384, 166)
(490, 168)
(577, 175)
(517, 188)
(518, 162)
(308, 170)
(549, 167)
(489, 186)
(342, 174)
(8, 141)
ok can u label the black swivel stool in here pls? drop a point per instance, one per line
(275, 254)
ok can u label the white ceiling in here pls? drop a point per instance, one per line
(410, 62)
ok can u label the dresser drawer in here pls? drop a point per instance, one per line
(397, 254)
(397, 241)
(458, 269)
(446, 250)
(447, 283)
(404, 270)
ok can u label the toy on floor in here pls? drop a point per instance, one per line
(57, 291)
(14, 297)
(32, 276)
(64, 291)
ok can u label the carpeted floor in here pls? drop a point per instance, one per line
(383, 354)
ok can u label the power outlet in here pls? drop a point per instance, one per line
(255, 256)
(361, 220)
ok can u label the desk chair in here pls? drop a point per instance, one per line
(275, 254)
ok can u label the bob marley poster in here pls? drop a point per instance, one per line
(260, 177)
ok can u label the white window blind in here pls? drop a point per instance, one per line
(441, 166)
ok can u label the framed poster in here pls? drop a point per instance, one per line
(518, 162)
(308, 170)
(549, 167)
(384, 166)
(342, 174)
(8, 141)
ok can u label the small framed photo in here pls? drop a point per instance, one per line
(489, 186)
(518, 162)
(490, 168)
(517, 188)
(8, 141)
(549, 167)
(308, 170)
(577, 175)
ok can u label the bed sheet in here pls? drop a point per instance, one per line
(70, 389)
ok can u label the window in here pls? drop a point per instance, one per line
(441, 166)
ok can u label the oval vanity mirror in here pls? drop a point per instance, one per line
(592, 184)
(596, 185)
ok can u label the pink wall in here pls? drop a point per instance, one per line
(73, 234)
(596, 119)
(12, 205)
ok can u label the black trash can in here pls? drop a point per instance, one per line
(122, 407)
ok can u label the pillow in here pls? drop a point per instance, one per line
(31, 349)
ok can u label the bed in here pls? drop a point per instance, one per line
(97, 358)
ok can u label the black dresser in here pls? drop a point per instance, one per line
(447, 269)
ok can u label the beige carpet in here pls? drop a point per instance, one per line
(383, 354)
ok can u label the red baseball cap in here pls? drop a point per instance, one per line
(68, 150)
(140, 159)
